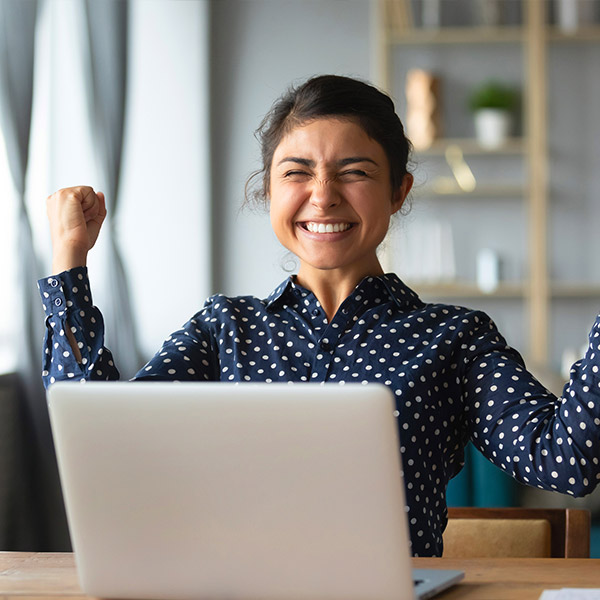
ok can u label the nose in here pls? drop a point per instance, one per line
(324, 195)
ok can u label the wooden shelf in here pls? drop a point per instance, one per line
(590, 33)
(458, 35)
(575, 290)
(470, 146)
(481, 191)
(466, 289)
(489, 35)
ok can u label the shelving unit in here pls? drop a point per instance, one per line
(480, 192)
(465, 289)
(583, 34)
(535, 289)
(513, 146)
(459, 35)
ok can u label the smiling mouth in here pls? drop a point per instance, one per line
(325, 227)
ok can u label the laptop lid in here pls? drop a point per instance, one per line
(216, 490)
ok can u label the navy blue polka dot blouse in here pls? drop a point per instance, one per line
(453, 376)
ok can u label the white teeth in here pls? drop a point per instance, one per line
(327, 228)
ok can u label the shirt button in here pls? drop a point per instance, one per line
(315, 312)
(57, 302)
(53, 282)
(344, 311)
(325, 346)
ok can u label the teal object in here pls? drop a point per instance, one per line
(459, 492)
(480, 483)
(595, 541)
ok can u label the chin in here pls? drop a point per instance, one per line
(327, 265)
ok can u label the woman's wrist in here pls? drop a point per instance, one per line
(68, 259)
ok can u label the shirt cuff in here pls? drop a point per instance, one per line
(61, 292)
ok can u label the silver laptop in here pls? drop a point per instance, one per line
(239, 492)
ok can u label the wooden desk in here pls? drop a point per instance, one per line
(34, 576)
(515, 578)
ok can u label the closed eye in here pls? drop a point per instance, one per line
(354, 174)
(295, 174)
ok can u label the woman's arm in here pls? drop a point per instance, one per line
(188, 354)
(74, 341)
(539, 439)
(73, 346)
(76, 215)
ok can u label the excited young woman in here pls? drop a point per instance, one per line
(334, 171)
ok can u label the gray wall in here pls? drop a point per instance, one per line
(574, 146)
(260, 47)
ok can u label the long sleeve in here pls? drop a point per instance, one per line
(68, 303)
(188, 354)
(541, 440)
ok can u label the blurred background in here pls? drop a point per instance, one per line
(155, 102)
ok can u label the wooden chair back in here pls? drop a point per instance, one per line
(517, 532)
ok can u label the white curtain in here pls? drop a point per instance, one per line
(33, 514)
(17, 43)
(144, 140)
(106, 82)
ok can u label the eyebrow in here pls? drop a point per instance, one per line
(340, 163)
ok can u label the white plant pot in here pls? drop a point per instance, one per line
(492, 127)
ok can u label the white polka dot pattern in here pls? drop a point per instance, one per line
(453, 376)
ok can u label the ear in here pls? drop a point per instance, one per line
(402, 192)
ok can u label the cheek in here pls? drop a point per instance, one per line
(282, 225)
(273, 215)
(377, 213)
(284, 203)
(279, 216)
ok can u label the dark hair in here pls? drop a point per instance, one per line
(331, 96)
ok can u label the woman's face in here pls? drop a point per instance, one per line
(331, 197)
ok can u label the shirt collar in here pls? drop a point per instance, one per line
(287, 291)
(403, 296)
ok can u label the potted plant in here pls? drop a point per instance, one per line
(493, 104)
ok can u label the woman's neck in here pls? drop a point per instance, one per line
(332, 286)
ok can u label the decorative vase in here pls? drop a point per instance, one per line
(571, 14)
(492, 127)
(489, 12)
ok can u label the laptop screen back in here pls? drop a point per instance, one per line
(218, 490)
